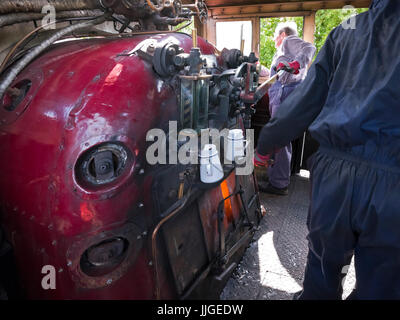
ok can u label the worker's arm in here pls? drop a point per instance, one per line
(300, 109)
(305, 53)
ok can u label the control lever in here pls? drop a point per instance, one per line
(263, 89)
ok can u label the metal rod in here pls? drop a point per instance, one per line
(158, 8)
(249, 233)
(130, 34)
(19, 43)
(194, 37)
(10, 77)
(241, 39)
(220, 221)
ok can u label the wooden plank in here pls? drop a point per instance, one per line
(201, 27)
(265, 15)
(211, 32)
(260, 9)
(256, 36)
(227, 3)
(309, 28)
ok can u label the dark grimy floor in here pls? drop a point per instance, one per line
(273, 265)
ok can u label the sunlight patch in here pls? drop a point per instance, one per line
(272, 273)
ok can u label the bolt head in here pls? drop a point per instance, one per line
(171, 51)
(171, 69)
(179, 61)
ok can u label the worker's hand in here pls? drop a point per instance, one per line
(260, 160)
(291, 67)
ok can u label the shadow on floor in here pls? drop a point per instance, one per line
(273, 265)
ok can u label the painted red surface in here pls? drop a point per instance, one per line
(84, 92)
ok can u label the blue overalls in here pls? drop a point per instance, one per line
(350, 101)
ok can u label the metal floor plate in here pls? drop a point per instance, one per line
(273, 265)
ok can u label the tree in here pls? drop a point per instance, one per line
(325, 21)
(187, 28)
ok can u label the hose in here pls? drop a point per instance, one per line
(28, 36)
(12, 51)
(10, 77)
(14, 6)
(12, 18)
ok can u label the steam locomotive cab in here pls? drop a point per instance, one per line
(78, 193)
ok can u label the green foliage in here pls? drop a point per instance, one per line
(188, 29)
(325, 21)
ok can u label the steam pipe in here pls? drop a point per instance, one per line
(10, 77)
(16, 6)
(13, 18)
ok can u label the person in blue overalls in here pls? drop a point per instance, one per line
(350, 102)
(292, 52)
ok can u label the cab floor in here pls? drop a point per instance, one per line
(273, 265)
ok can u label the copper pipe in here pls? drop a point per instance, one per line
(10, 54)
(12, 51)
(15, 47)
(194, 37)
(241, 39)
(194, 6)
(155, 32)
(154, 243)
(149, 32)
(155, 8)
(29, 57)
(181, 189)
